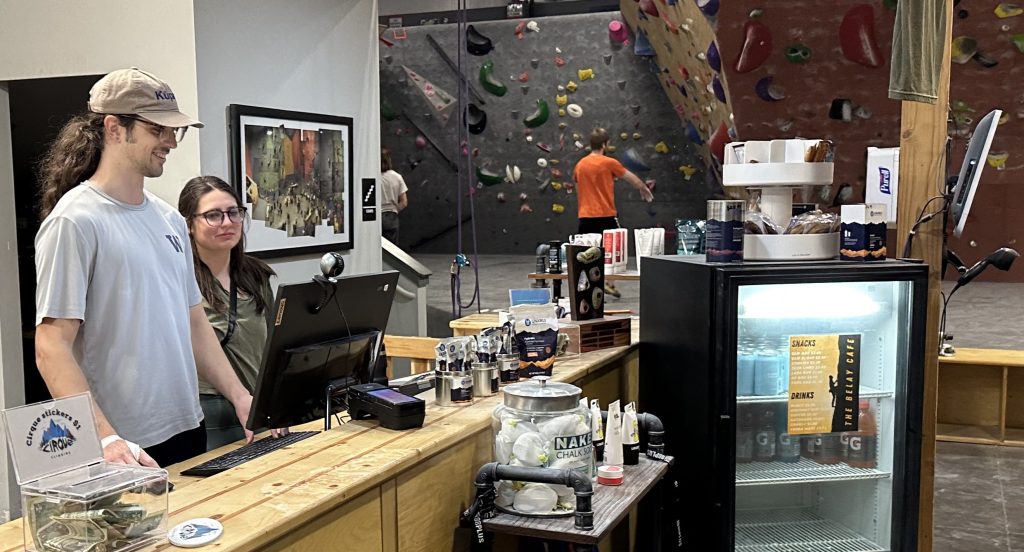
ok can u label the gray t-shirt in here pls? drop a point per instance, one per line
(126, 272)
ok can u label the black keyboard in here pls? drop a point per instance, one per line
(248, 452)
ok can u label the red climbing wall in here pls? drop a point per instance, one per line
(812, 82)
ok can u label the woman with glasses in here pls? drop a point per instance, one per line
(236, 293)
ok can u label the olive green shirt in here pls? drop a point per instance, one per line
(245, 348)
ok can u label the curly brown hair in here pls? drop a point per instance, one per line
(72, 157)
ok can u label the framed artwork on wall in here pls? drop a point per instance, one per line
(294, 173)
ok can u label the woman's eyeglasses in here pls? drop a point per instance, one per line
(215, 217)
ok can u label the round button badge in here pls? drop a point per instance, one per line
(195, 533)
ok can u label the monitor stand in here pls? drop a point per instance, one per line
(335, 388)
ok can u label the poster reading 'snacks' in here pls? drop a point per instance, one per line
(824, 383)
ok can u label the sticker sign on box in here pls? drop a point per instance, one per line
(824, 383)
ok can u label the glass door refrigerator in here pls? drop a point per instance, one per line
(791, 396)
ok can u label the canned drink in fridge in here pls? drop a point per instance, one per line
(723, 241)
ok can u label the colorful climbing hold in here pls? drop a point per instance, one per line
(585, 74)
(642, 46)
(963, 48)
(557, 208)
(561, 112)
(716, 144)
(559, 61)
(476, 43)
(767, 90)
(841, 110)
(661, 147)
(488, 81)
(617, 32)
(571, 87)
(649, 8)
(708, 7)
(524, 77)
(561, 100)
(533, 27)
(757, 46)
(693, 134)
(688, 171)
(420, 142)
(714, 57)
(500, 197)
(637, 136)
(556, 185)
(857, 36)
(997, 159)
(716, 85)
(632, 160)
(985, 60)
(523, 196)
(798, 53)
(623, 136)
(1006, 9)
(575, 111)
(512, 174)
(488, 177)
(525, 208)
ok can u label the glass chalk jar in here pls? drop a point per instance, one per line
(541, 424)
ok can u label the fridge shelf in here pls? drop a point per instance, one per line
(865, 393)
(795, 530)
(804, 471)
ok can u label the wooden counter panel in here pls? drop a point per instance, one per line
(262, 500)
(423, 526)
(356, 525)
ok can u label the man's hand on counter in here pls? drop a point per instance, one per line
(119, 452)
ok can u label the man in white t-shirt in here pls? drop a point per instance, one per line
(393, 197)
(118, 310)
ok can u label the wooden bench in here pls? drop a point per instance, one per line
(981, 397)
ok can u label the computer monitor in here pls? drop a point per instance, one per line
(322, 332)
(970, 170)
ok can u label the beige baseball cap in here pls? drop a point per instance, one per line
(136, 92)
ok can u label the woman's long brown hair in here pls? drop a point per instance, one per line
(249, 273)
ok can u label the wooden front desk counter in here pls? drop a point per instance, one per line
(362, 488)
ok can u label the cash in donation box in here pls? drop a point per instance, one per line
(71, 499)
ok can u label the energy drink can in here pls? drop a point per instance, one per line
(724, 231)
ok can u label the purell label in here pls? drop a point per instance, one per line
(884, 184)
(575, 448)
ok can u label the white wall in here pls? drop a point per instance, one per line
(60, 38)
(316, 56)
(11, 372)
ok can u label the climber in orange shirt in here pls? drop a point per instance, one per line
(595, 177)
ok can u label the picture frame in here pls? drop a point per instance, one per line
(293, 171)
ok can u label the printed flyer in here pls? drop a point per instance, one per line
(824, 383)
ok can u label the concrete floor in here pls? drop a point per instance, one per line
(979, 500)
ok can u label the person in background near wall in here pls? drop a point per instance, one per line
(595, 176)
(393, 197)
(118, 311)
(236, 294)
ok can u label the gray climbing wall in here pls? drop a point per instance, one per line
(624, 96)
